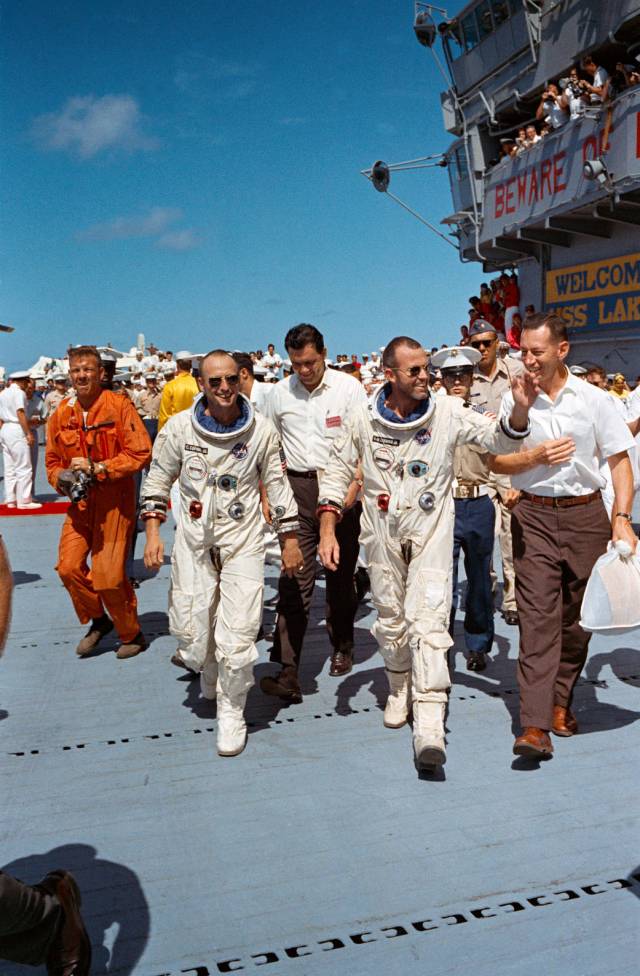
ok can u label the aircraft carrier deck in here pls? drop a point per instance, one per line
(319, 850)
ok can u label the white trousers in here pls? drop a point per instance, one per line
(411, 590)
(16, 457)
(34, 461)
(215, 605)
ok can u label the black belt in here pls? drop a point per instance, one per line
(302, 474)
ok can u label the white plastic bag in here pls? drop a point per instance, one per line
(611, 601)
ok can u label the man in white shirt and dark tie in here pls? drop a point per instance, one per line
(308, 410)
(560, 526)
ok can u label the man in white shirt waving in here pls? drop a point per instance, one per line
(560, 526)
(309, 409)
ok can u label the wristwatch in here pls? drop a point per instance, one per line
(624, 515)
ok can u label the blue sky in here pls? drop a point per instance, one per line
(191, 171)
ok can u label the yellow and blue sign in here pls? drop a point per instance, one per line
(597, 294)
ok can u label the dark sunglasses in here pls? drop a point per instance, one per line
(412, 371)
(215, 381)
(455, 377)
(482, 343)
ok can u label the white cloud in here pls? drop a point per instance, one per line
(87, 125)
(151, 224)
(179, 240)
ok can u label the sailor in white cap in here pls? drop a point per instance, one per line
(474, 525)
(54, 397)
(376, 365)
(16, 438)
(405, 441)
(148, 405)
(579, 371)
(109, 362)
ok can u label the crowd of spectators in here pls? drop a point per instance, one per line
(586, 88)
(498, 303)
(147, 371)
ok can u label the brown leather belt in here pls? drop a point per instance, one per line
(564, 501)
(302, 474)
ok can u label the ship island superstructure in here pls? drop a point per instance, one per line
(566, 213)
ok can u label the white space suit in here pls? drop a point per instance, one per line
(407, 531)
(217, 561)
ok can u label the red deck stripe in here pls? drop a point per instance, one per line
(48, 508)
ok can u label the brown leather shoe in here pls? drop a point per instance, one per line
(284, 685)
(70, 954)
(341, 661)
(99, 628)
(534, 743)
(564, 721)
(179, 663)
(133, 647)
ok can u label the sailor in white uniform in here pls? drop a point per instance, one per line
(16, 438)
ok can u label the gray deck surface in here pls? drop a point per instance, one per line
(319, 850)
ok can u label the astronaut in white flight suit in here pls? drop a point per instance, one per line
(220, 450)
(405, 441)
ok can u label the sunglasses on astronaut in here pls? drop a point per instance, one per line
(412, 371)
(231, 380)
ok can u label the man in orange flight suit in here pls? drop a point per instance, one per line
(98, 433)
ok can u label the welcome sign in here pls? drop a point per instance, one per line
(596, 294)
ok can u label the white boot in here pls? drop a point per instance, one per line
(233, 685)
(428, 734)
(209, 680)
(398, 704)
(231, 737)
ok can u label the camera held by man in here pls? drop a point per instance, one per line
(75, 485)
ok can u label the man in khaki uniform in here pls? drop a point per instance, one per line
(148, 405)
(493, 378)
(54, 398)
(474, 526)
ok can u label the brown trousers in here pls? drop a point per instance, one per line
(554, 551)
(294, 596)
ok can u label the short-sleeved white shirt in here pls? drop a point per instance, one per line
(12, 399)
(260, 393)
(584, 413)
(273, 362)
(556, 115)
(308, 422)
(599, 79)
(633, 405)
